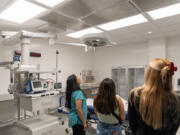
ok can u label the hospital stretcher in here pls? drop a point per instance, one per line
(64, 110)
(91, 109)
(91, 113)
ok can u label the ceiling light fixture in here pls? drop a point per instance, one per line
(165, 12)
(21, 11)
(150, 32)
(123, 22)
(81, 33)
(50, 3)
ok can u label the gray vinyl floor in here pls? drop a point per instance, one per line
(90, 131)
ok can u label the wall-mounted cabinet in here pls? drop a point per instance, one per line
(127, 78)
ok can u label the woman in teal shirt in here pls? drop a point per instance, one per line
(76, 102)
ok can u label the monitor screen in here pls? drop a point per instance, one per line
(37, 84)
(178, 82)
(57, 85)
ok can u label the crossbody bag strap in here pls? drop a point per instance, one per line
(117, 117)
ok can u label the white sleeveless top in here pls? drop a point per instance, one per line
(108, 118)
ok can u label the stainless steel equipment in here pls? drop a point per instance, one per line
(87, 76)
(7, 109)
(44, 125)
(39, 122)
(127, 78)
(89, 86)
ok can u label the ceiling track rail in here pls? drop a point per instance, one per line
(149, 18)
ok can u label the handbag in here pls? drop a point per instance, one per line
(124, 124)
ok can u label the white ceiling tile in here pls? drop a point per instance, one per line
(4, 25)
(140, 29)
(34, 23)
(113, 12)
(171, 28)
(147, 5)
(173, 33)
(61, 38)
(129, 37)
(81, 8)
(4, 3)
(30, 25)
(168, 21)
(64, 21)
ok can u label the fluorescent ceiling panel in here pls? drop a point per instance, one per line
(123, 22)
(165, 12)
(21, 11)
(80, 33)
(50, 3)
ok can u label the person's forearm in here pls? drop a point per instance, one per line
(122, 115)
(80, 113)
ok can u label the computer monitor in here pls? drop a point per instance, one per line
(178, 81)
(37, 85)
(58, 86)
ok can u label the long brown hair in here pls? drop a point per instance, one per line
(156, 93)
(71, 86)
(105, 102)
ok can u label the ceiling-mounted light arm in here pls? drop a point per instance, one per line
(12, 40)
(38, 35)
(112, 43)
(86, 48)
(16, 38)
(7, 33)
(71, 44)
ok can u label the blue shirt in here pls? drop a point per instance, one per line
(73, 115)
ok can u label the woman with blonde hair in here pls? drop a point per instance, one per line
(154, 109)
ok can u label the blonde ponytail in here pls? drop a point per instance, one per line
(165, 74)
(155, 92)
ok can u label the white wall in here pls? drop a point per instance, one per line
(71, 60)
(74, 59)
(106, 58)
(5, 55)
(173, 53)
(157, 48)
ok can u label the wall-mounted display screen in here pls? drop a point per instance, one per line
(37, 84)
(178, 82)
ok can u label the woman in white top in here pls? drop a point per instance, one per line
(105, 104)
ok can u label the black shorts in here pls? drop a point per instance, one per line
(78, 130)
